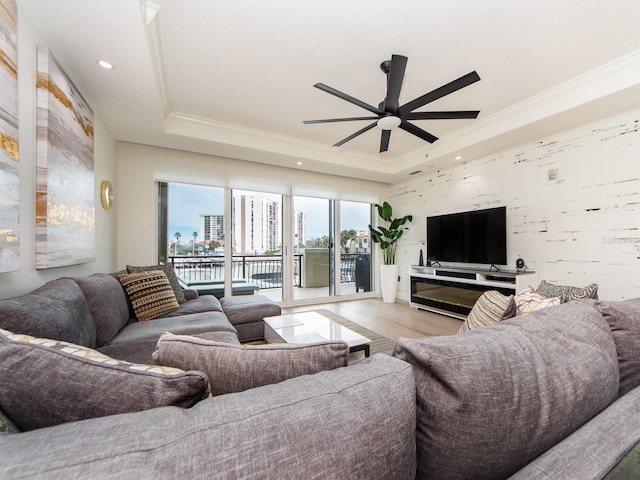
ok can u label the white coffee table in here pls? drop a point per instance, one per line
(311, 327)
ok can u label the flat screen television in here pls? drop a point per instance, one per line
(478, 236)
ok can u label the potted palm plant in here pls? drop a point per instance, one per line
(387, 236)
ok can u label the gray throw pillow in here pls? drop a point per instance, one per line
(235, 368)
(492, 400)
(624, 321)
(48, 382)
(171, 276)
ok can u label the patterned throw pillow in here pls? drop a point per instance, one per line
(6, 425)
(150, 293)
(47, 382)
(171, 276)
(528, 301)
(567, 292)
(490, 308)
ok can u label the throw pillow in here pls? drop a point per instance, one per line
(48, 382)
(528, 301)
(6, 425)
(171, 276)
(624, 320)
(234, 368)
(505, 394)
(149, 293)
(490, 308)
(567, 292)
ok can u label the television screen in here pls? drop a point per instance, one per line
(478, 236)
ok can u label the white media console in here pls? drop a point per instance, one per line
(454, 291)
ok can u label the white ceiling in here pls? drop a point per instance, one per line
(235, 77)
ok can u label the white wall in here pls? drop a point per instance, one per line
(141, 166)
(28, 278)
(580, 228)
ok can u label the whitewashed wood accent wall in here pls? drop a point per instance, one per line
(579, 228)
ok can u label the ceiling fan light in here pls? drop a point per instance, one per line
(389, 122)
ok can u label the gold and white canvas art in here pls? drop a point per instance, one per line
(65, 199)
(9, 167)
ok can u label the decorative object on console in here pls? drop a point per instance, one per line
(567, 292)
(520, 265)
(490, 308)
(65, 217)
(528, 301)
(421, 260)
(387, 237)
(150, 293)
(9, 154)
(49, 382)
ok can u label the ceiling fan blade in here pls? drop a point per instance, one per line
(440, 92)
(394, 82)
(442, 115)
(359, 132)
(418, 132)
(348, 98)
(331, 120)
(384, 140)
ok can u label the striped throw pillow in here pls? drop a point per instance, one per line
(150, 293)
(490, 308)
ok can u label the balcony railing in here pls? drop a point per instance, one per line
(262, 270)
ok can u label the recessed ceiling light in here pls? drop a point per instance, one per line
(106, 65)
(298, 163)
(458, 157)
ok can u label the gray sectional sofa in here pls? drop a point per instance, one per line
(550, 395)
(95, 312)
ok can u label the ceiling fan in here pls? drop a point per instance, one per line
(389, 114)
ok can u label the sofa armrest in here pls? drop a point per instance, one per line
(358, 420)
(595, 448)
(190, 294)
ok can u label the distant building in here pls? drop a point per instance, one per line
(299, 228)
(256, 224)
(212, 227)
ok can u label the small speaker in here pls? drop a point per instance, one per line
(520, 265)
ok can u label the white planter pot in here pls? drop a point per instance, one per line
(389, 282)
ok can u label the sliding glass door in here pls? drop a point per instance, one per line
(239, 242)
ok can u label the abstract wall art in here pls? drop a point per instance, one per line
(65, 195)
(9, 171)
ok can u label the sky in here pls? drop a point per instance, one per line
(188, 202)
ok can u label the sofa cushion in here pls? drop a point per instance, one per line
(169, 272)
(56, 310)
(490, 308)
(249, 308)
(624, 321)
(108, 304)
(356, 422)
(568, 292)
(184, 325)
(493, 399)
(528, 301)
(149, 293)
(234, 368)
(48, 382)
(199, 304)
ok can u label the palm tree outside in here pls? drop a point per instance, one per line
(177, 235)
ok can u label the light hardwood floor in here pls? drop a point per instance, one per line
(392, 320)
